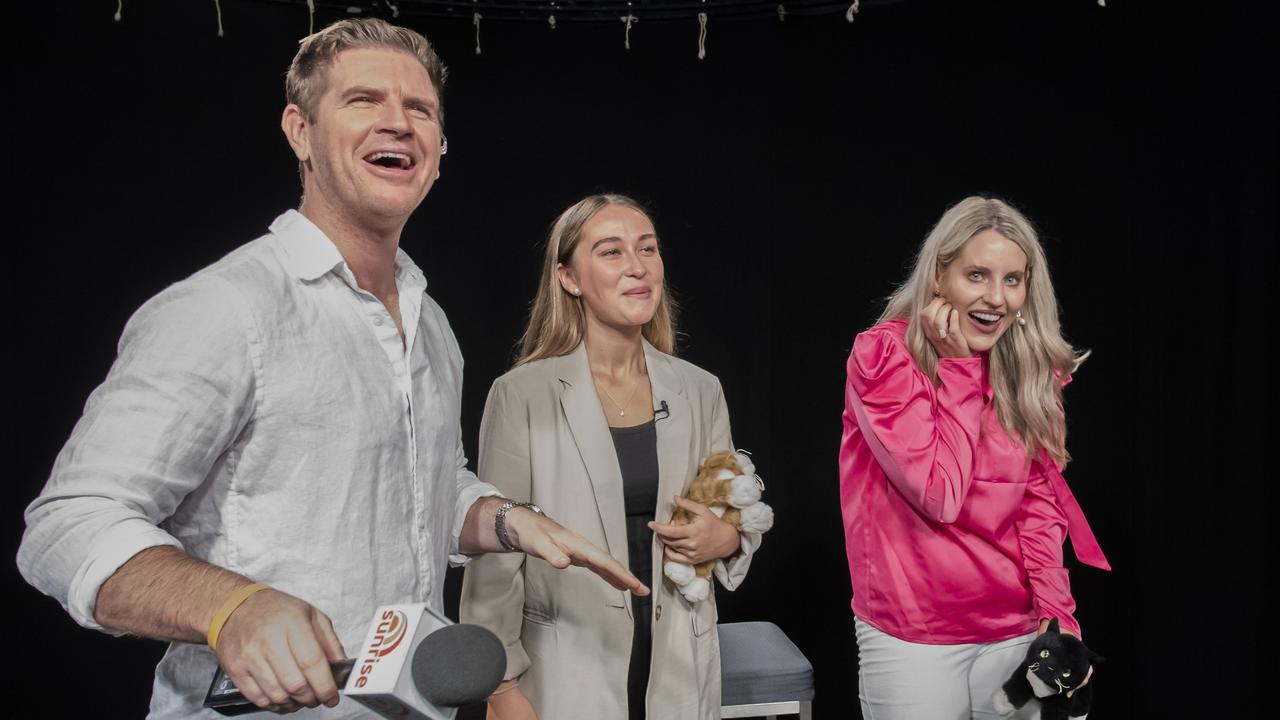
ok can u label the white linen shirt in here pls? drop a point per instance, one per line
(263, 415)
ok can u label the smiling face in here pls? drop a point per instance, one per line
(372, 149)
(616, 268)
(986, 284)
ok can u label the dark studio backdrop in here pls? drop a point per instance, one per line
(791, 173)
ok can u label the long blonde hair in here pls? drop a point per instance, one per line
(1029, 363)
(557, 319)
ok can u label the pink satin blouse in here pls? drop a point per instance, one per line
(953, 534)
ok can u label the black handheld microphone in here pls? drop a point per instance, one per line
(414, 664)
(226, 698)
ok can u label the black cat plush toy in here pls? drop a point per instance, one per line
(1056, 663)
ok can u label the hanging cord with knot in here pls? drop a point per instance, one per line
(702, 35)
(628, 19)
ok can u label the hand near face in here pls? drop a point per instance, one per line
(706, 537)
(941, 324)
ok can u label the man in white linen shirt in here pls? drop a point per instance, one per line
(288, 416)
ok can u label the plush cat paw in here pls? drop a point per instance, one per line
(757, 518)
(1001, 702)
(744, 491)
(679, 573)
(696, 591)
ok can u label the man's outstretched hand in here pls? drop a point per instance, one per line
(542, 537)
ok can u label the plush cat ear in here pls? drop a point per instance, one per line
(1053, 626)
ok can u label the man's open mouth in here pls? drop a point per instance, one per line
(390, 159)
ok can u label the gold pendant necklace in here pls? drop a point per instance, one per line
(622, 412)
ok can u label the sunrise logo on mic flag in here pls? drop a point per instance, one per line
(382, 679)
(384, 651)
(392, 629)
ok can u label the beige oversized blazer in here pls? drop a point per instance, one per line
(544, 439)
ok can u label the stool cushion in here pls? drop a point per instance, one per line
(759, 664)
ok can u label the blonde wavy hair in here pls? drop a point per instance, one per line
(1029, 363)
(557, 319)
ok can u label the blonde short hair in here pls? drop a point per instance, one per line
(307, 77)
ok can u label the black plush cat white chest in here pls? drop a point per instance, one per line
(1056, 664)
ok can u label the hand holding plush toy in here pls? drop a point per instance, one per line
(727, 484)
(1055, 671)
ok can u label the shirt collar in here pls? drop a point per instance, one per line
(309, 254)
(408, 274)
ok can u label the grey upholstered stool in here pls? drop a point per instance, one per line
(762, 673)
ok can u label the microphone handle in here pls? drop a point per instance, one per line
(226, 699)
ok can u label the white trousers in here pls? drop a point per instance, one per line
(900, 680)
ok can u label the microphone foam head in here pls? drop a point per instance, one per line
(458, 665)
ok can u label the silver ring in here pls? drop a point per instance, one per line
(942, 333)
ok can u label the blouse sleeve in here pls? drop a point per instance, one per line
(923, 437)
(1042, 528)
(493, 587)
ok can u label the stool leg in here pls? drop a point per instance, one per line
(806, 710)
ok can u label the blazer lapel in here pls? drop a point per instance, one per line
(590, 432)
(675, 430)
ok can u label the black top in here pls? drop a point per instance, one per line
(637, 449)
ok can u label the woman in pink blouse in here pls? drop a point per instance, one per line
(955, 509)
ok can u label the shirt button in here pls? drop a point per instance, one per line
(658, 613)
(377, 320)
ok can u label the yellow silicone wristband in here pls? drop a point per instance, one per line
(233, 601)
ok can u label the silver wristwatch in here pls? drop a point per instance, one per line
(500, 522)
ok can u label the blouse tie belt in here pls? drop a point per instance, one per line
(1082, 540)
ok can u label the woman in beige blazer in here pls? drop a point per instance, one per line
(603, 429)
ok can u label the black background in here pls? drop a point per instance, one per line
(792, 174)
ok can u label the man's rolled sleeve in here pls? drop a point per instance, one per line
(179, 393)
(116, 539)
(470, 489)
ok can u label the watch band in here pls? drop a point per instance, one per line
(500, 522)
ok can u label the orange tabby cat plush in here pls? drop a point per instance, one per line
(727, 484)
